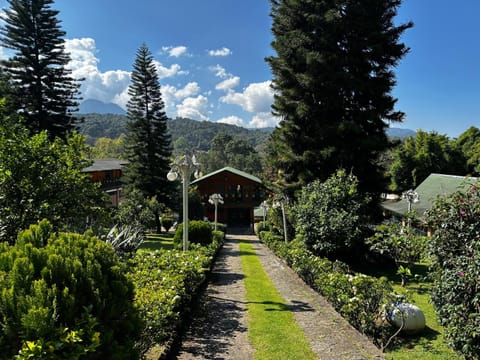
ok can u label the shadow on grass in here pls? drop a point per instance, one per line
(423, 339)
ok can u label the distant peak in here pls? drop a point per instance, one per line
(92, 106)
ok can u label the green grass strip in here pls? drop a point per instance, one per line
(272, 329)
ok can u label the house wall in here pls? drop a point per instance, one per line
(240, 196)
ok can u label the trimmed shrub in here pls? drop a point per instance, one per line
(63, 296)
(258, 227)
(455, 249)
(199, 232)
(167, 222)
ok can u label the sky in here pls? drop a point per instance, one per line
(210, 58)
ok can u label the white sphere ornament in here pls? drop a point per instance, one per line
(408, 315)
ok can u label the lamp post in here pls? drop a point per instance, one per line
(412, 197)
(264, 207)
(184, 166)
(215, 199)
(281, 202)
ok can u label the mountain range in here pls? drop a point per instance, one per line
(109, 120)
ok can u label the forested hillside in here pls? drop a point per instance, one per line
(186, 133)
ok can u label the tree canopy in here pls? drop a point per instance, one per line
(42, 88)
(333, 79)
(41, 179)
(148, 143)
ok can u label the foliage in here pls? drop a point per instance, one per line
(333, 76)
(125, 240)
(236, 152)
(422, 155)
(198, 135)
(148, 143)
(138, 211)
(95, 126)
(40, 179)
(199, 232)
(167, 222)
(165, 283)
(357, 297)
(469, 144)
(65, 295)
(42, 88)
(106, 148)
(400, 243)
(455, 248)
(196, 210)
(329, 215)
(258, 227)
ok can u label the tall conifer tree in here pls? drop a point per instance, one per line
(332, 80)
(43, 90)
(148, 143)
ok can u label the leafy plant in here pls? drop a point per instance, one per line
(401, 243)
(199, 232)
(64, 295)
(329, 216)
(126, 239)
(455, 249)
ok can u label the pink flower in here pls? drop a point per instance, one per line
(461, 273)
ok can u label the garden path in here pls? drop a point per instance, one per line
(219, 327)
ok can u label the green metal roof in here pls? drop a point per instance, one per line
(231, 170)
(429, 190)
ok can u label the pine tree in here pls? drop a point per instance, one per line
(44, 92)
(332, 80)
(148, 143)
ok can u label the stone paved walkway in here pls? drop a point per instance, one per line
(219, 328)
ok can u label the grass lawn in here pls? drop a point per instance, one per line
(430, 344)
(158, 241)
(272, 327)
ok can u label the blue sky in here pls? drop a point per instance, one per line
(211, 54)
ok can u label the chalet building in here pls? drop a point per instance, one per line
(241, 193)
(108, 173)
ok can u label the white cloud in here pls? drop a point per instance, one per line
(256, 97)
(220, 52)
(219, 71)
(112, 85)
(175, 51)
(164, 72)
(109, 86)
(232, 120)
(263, 120)
(228, 84)
(188, 90)
(193, 108)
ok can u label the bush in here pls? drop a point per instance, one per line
(455, 249)
(167, 222)
(258, 227)
(64, 295)
(400, 243)
(199, 232)
(330, 220)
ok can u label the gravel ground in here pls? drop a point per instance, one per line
(219, 328)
